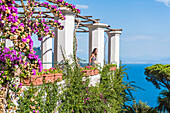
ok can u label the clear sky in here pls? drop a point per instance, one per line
(145, 24)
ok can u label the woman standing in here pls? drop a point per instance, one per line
(93, 57)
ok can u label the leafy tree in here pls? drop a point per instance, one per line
(164, 101)
(159, 75)
(140, 108)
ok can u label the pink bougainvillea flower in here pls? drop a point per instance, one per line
(87, 98)
(2, 7)
(24, 40)
(34, 72)
(21, 24)
(88, 67)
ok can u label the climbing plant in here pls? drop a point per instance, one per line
(20, 60)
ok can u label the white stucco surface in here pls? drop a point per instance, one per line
(8, 43)
(46, 52)
(96, 40)
(64, 38)
(113, 47)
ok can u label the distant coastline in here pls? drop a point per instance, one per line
(136, 63)
(145, 63)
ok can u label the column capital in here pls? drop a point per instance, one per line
(97, 25)
(66, 11)
(113, 33)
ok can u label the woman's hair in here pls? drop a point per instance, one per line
(94, 51)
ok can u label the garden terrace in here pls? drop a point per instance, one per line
(59, 20)
(64, 38)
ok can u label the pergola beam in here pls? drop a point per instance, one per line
(20, 6)
(84, 17)
(37, 17)
(85, 20)
(115, 29)
(35, 12)
(85, 31)
(82, 31)
(89, 16)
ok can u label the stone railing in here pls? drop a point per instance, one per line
(37, 80)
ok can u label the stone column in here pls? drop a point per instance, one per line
(8, 43)
(63, 41)
(113, 47)
(46, 52)
(96, 40)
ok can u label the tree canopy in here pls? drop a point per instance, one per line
(159, 75)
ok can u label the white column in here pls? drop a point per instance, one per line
(8, 43)
(64, 38)
(113, 47)
(96, 40)
(46, 52)
(0, 35)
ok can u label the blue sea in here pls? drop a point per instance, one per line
(150, 93)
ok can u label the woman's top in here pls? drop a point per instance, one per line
(93, 59)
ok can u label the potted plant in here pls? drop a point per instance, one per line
(34, 79)
(26, 81)
(95, 69)
(87, 71)
(37, 80)
(48, 75)
(53, 74)
(58, 74)
(90, 70)
(113, 67)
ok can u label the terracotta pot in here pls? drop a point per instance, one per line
(25, 81)
(113, 68)
(92, 73)
(49, 78)
(87, 72)
(96, 72)
(58, 76)
(37, 80)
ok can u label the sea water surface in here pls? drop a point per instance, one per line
(150, 93)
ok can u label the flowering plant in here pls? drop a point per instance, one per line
(21, 60)
(20, 32)
(89, 67)
(51, 71)
(113, 65)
